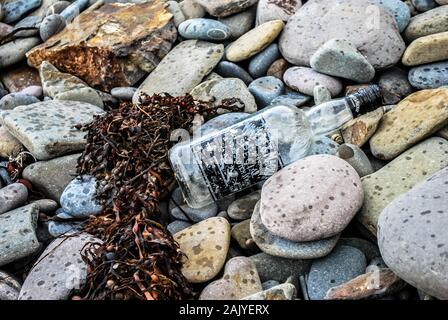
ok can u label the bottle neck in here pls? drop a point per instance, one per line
(365, 100)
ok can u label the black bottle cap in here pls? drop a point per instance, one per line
(365, 100)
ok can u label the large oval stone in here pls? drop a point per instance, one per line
(312, 199)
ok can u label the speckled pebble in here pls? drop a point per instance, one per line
(51, 25)
(429, 76)
(13, 100)
(224, 8)
(241, 235)
(424, 5)
(305, 79)
(323, 145)
(429, 22)
(321, 95)
(14, 10)
(260, 64)
(12, 197)
(78, 198)
(356, 158)
(74, 9)
(239, 23)
(242, 208)
(14, 51)
(398, 9)
(394, 85)
(178, 225)
(229, 69)
(204, 29)
(266, 89)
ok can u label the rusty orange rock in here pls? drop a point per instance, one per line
(114, 45)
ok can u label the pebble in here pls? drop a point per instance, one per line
(47, 129)
(398, 9)
(13, 100)
(28, 22)
(254, 41)
(123, 93)
(239, 23)
(304, 80)
(14, 10)
(399, 176)
(292, 98)
(321, 94)
(278, 68)
(280, 247)
(424, 5)
(394, 85)
(20, 77)
(240, 280)
(46, 205)
(17, 234)
(301, 211)
(427, 23)
(59, 271)
(51, 25)
(177, 226)
(78, 198)
(356, 158)
(9, 146)
(5, 29)
(191, 9)
(181, 211)
(343, 264)
(268, 10)
(429, 76)
(340, 58)
(260, 64)
(241, 234)
(205, 245)
(285, 291)
(9, 285)
(224, 8)
(35, 91)
(426, 49)
(74, 9)
(314, 24)
(14, 51)
(323, 145)
(412, 235)
(266, 89)
(12, 196)
(277, 268)
(175, 9)
(204, 29)
(232, 70)
(242, 208)
(176, 75)
(413, 119)
(52, 177)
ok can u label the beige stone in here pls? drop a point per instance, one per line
(427, 49)
(359, 130)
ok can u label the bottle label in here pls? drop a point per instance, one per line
(241, 157)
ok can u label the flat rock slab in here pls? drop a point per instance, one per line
(17, 233)
(112, 46)
(58, 271)
(47, 129)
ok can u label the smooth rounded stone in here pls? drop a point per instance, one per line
(311, 199)
(204, 29)
(424, 5)
(178, 225)
(426, 49)
(12, 197)
(15, 10)
(394, 85)
(176, 11)
(239, 23)
(35, 91)
(268, 10)
(413, 119)
(367, 27)
(74, 9)
(55, 6)
(53, 176)
(277, 268)
(224, 8)
(46, 205)
(278, 68)
(191, 9)
(180, 210)
(260, 64)
(28, 22)
(57, 229)
(291, 99)
(9, 285)
(59, 271)
(5, 29)
(284, 291)
(232, 70)
(13, 100)
(123, 93)
(369, 249)
(398, 9)
(323, 145)
(219, 90)
(220, 122)
(427, 23)
(241, 234)
(176, 75)
(279, 247)
(412, 235)
(356, 158)
(47, 129)
(51, 25)
(17, 233)
(14, 51)
(254, 41)
(205, 245)
(321, 94)
(343, 264)
(399, 176)
(242, 208)
(266, 89)
(340, 58)
(429, 76)
(304, 80)
(78, 198)
(240, 280)
(9, 146)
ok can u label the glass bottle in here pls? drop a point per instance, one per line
(213, 166)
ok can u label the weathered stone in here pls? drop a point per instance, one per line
(394, 85)
(268, 10)
(13, 100)
(223, 8)
(356, 157)
(9, 285)
(47, 129)
(124, 41)
(426, 49)
(285, 291)
(239, 23)
(78, 199)
(12, 197)
(426, 23)
(243, 207)
(14, 51)
(14, 10)
(19, 77)
(51, 25)
(9, 146)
